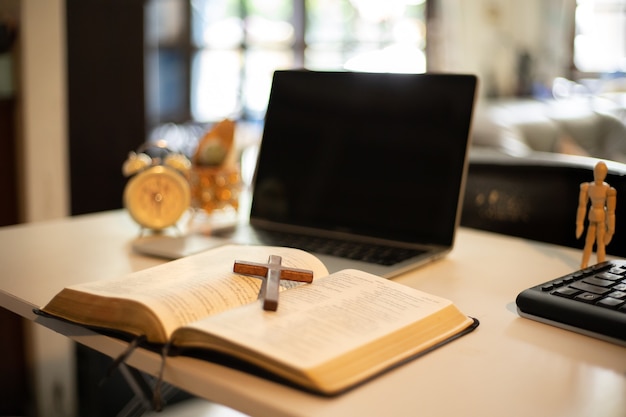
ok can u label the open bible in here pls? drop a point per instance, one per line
(325, 337)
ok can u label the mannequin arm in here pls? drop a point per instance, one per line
(611, 203)
(582, 208)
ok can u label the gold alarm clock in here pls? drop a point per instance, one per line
(158, 193)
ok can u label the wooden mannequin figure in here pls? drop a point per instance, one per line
(601, 214)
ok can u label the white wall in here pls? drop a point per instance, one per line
(43, 177)
(486, 37)
(42, 125)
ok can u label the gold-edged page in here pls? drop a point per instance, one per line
(320, 323)
(188, 289)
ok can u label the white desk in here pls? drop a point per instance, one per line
(509, 366)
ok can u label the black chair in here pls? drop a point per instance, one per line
(537, 197)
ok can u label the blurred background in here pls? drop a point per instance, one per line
(83, 82)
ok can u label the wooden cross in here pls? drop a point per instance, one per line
(273, 272)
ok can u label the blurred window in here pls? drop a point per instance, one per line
(211, 59)
(600, 39)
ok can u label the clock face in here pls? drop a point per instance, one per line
(157, 197)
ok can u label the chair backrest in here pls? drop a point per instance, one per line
(537, 197)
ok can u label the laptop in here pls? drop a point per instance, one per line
(366, 170)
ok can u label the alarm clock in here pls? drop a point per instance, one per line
(158, 192)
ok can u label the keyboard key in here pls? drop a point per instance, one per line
(618, 294)
(598, 281)
(588, 297)
(610, 302)
(609, 276)
(566, 292)
(590, 288)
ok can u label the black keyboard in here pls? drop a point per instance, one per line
(591, 301)
(361, 251)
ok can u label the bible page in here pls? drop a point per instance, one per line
(188, 289)
(320, 321)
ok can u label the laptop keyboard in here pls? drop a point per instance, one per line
(592, 300)
(366, 252)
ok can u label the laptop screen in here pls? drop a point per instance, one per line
(379, 155)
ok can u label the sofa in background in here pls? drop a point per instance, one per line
(584, 126)
(527, 162)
